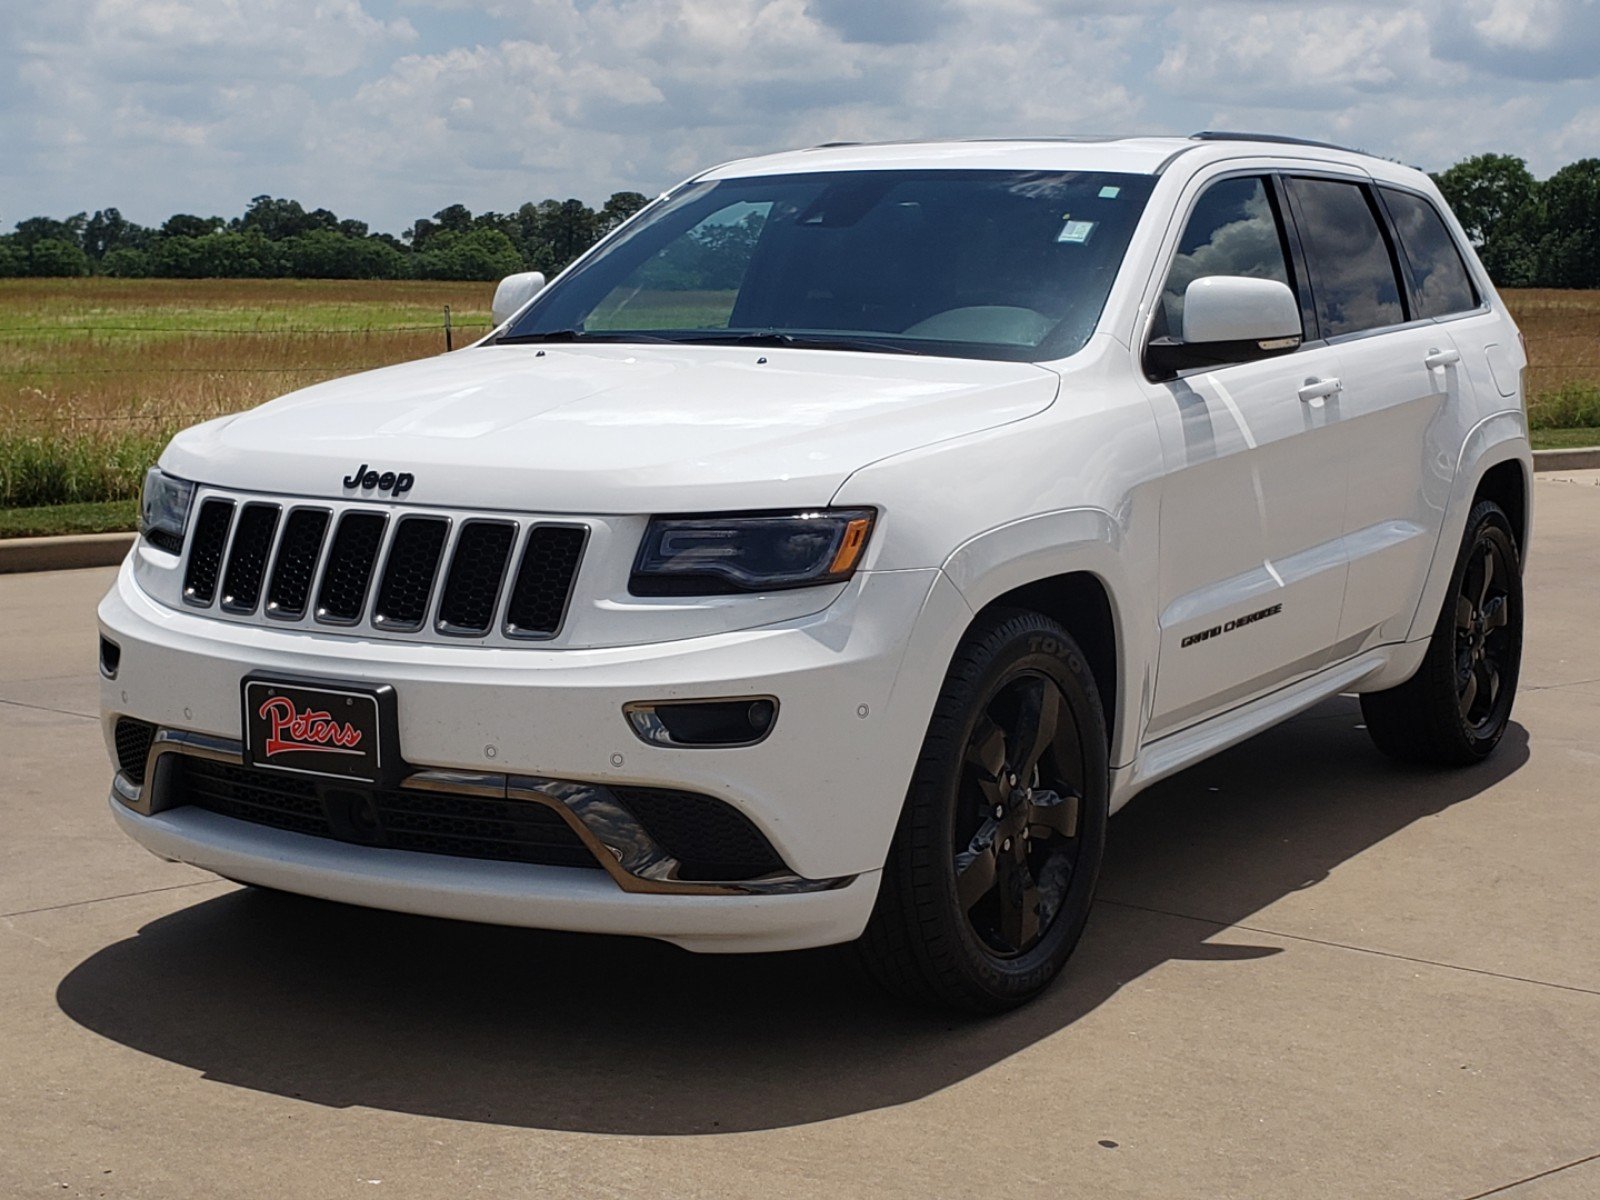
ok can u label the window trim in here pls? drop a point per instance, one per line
(1300, 263)
(1380, 215)
(1480, 302)
(1288, 240)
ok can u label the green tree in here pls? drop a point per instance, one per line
(109, 230)
(13, 260)
(39, 229)
(276, 219)
(190, 226)
(485, 254)
(558, 231)
(1569, 248)
(326, 254)
(126, 262)
(619, 208)
(216, 256)
(57, 257)
(1495, 197)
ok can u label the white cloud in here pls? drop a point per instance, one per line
(389, 109)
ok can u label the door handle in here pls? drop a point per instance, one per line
(1438, 360)
(1316, 391)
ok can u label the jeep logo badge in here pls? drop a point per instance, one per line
(393, 482)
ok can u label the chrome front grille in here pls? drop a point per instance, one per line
(365, 569)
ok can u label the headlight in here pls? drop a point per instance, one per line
(749, 552)
(164, 510)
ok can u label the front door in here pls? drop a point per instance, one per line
(1252, 511)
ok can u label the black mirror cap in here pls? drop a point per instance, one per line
(1165, 357)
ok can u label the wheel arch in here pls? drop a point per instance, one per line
(1495, 463)
(1080, 603)
(1506, 483)
(1072, 567)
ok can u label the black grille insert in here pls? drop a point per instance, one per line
(345, 579)
(133, 740)
(712, 840)
(205, 552)
(247, 559)
(399, 819)
(545, 577)
(477, 569)
(408, 574)
(165, 539)
(297, 563)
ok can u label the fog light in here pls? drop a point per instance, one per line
(110, 657)
(742, 721)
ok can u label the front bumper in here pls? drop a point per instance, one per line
(825, 788)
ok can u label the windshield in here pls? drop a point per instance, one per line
(980, 264)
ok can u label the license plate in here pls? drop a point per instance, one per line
(316, 730)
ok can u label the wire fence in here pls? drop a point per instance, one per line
(281, 331)
(65, 417)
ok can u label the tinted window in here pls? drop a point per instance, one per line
(981, 263)
(1352, 274)
(1232, 231)
(1443, 285)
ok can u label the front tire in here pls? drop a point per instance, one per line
(990, 878)
(1455, 709)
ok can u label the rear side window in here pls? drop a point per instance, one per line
(1352, 272)
(1233, 230)
(1442, 282)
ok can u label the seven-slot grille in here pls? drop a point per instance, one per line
(397, 572)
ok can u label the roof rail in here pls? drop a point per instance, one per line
(1223, 135)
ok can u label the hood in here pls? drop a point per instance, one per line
(610, 428)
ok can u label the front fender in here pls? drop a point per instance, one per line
(1071, 541)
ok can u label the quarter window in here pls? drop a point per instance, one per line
(1233, 230)
(1352, 272)
(1443, 285)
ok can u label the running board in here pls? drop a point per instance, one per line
(1171, 754)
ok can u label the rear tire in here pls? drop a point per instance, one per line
(1455, 709)
(990, 878)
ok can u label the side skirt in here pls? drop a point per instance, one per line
(1382, 666)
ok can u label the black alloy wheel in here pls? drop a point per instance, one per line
(1456, 707)
(1017, 833)
(1483, 636)
(990, 878)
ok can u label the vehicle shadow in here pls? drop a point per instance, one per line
(344, 1006)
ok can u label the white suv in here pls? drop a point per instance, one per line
(830, 551)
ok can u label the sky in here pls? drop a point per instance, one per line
(387, 110)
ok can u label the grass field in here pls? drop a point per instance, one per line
(96, 374)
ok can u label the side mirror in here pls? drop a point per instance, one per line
(1228, 319)
(515, 291)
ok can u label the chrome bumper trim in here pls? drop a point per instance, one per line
(619, 843)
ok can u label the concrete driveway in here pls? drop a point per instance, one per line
(1310, 973)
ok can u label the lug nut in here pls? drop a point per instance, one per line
(1006, 845)
(999, 811)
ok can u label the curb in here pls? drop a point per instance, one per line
(65, 553)
(1583, 459)
(74, 551)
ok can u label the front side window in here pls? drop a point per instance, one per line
(1443, 285)
(980, 264)
(1233, 230)
(1352, 272)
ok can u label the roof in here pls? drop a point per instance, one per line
(1138, 155)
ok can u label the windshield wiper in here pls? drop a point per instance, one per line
(575, 335)
(801, 341)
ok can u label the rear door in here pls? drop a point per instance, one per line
(1252, 511)
(1401, 380)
